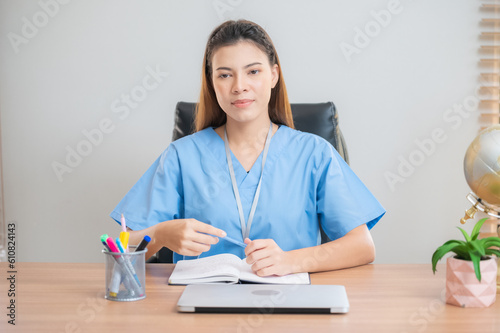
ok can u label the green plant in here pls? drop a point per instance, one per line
(472, 249)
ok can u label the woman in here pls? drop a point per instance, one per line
(246, 173)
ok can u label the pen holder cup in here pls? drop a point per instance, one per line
(125, 275)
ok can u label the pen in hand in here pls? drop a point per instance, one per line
(234, 241)
(229, 239)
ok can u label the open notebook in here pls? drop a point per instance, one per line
(226, 268)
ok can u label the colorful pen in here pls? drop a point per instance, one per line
(124, 235)
(116, 275)
(119, 244)
(142, 245)
(103, 240)
(124, 225)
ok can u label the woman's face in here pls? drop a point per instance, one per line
(243, 78)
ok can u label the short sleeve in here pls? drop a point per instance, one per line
(343, 201)
(157, 195)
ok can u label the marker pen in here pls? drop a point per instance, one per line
(119, 244)
(124, 237)
(116, 275)
(142, 245)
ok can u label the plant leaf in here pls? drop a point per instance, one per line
(466, 235)
(490, 241)
(449, 246)
(462, 253)
(489, 252)
(461, 250)
(476, 245)
(477, 228)
(477, 268)
(455, 241)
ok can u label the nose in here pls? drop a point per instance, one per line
(239, 84)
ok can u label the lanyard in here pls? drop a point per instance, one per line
(245, 227)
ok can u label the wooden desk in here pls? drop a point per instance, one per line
(61, 297)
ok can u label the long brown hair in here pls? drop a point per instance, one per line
(208, 111)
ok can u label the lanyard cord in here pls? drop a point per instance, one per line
(245, 227)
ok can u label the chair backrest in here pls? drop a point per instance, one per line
(318, 118)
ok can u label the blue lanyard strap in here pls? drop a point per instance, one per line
(245, 227)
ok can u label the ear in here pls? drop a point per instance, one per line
(275, 75)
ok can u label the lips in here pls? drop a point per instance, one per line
(242, 102)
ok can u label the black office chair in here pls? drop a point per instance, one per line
(320, 119)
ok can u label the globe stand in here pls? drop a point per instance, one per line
(479, 204)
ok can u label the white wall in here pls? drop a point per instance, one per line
(62, 79)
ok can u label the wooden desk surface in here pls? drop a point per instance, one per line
(67, 297)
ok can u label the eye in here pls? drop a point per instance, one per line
(254, 71)
(224, 76)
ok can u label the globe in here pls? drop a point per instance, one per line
(482, 171)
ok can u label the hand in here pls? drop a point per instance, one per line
(267, 258)
(188, 237)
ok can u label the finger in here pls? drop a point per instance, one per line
(186, 251)
(193, 248)
(249, 247)
(204, 238)
(198, 247)
(267, 271)
(258, 255)
(261, 264)
(261, 243)
(189, 253)
(256, 245)
(209, 229)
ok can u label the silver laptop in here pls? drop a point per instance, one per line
(263, 298)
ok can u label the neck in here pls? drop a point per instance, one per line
(248, 134)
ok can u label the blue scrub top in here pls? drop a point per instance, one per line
(305, 181)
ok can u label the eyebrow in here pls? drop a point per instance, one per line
(249, 65)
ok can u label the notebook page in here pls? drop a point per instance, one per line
(218, 265)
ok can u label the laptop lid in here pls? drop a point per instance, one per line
(263, 298)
